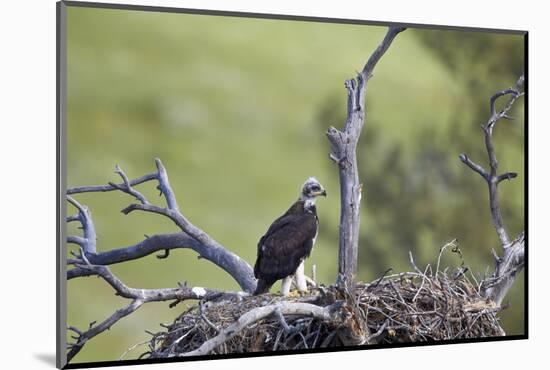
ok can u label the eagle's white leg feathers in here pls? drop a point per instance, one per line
(300, 277)
(285, 285)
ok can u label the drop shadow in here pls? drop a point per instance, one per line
(47, 358)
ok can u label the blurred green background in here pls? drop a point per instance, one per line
(237, 109)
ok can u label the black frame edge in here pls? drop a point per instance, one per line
(287, 353)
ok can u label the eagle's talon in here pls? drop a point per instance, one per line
(294, 294)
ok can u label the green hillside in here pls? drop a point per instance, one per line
(236, 109)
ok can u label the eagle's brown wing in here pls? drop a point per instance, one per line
(281, 250)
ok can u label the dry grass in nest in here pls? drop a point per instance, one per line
(407, 307)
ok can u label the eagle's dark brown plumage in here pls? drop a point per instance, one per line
(289, 240)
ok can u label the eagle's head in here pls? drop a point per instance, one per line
(311, 189)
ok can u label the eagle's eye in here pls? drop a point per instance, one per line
(315, 188)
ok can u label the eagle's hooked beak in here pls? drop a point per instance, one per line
(323, 193)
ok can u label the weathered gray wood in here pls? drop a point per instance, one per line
(507, 268)
(192, 236)
(207, 247)
(88, 241)
(110, 187)
(343, 152)
(138, 297)
(512, 260)
(227, 260)
(89, 262)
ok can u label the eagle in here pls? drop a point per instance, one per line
(288, 242)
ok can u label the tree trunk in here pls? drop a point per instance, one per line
(343, 152)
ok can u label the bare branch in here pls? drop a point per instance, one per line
(73, 218)
(139, 297)
(381, 50)
(207, 247)
(78, 272)
(84, 264)
(153, 209)
(492, 178)
(149, 295)
(76, 240)
(474, 166)
(210, 249)
(343, 152)
(192, 237)
(511, 263)
(88, 241)
(74, 348)
(515, 93)
(127, 187)
(164, 186)
(147, 246)
(499, 94)
(507, 176)
(104, 188)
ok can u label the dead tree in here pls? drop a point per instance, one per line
(191, 236)
(89, 262)
(512, 260)
(343, 152)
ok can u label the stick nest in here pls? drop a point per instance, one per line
(401, 308)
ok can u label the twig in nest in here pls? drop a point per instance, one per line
(453, 244)
(208, 322)
(288, 329)
(411, 259)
